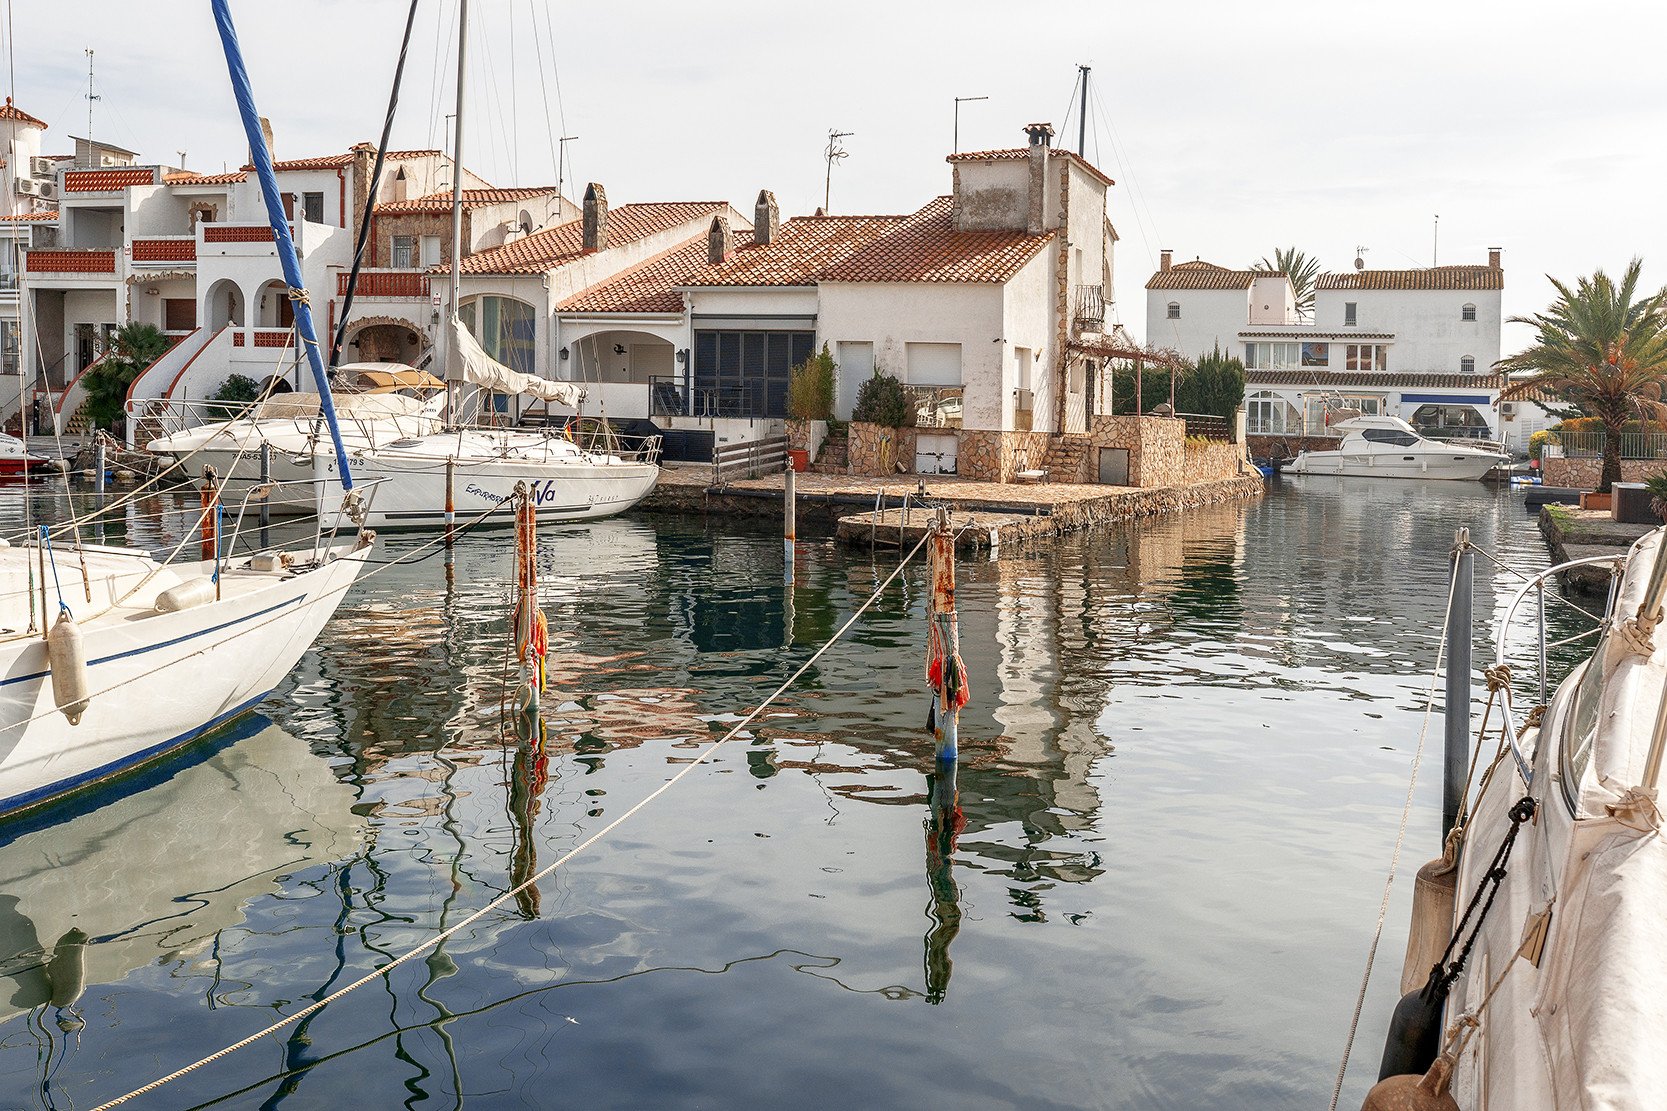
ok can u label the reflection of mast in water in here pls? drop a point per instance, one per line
(526, 792)
(942, 828)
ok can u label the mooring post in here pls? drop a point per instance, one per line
(790, 534)
(1457, 753)
(451, 463)
(99, 465)
(210, 528)
(944, 664)
(265, 480)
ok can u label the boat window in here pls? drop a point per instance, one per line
(1390, 436)
(1580, 728)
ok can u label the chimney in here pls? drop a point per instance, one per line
(765, 219)
(596, 218)
(1040, 136)
(265, 130)
(717, 240)
(1493, 258)
(1164, 259)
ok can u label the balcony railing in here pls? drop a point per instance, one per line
(386, 283)
(94, 260)
(672, 396)
(1207, 426)
(1589, 445)
(178, 248)
(1090, 307)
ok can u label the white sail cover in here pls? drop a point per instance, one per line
(483, 370)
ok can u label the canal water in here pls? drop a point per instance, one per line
(1183, 765)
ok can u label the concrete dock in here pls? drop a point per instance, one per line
(1573, 533)
(994, 513)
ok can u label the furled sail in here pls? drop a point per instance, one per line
(483, 370)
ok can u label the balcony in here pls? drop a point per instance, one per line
(171, 250)
(88, 260)
(387, 284)
(1088, 308)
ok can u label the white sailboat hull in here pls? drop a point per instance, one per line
(159, 680)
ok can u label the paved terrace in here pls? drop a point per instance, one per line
(998, 513)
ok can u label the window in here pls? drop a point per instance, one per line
(1316, 354)
(312, 207)
(1022, 361)
(1390, 436)
(1468, 364)
(179, 314)
(1174, 310)
(505, 330)
(1468, 313)
(933, 364)
(1267, 412)
(744, 374)
(1348, 314)
(1366, 356)
(431, 250)
(404, 251)
(9, 347)
(1272, 356)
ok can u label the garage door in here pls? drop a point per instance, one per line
(935, 454)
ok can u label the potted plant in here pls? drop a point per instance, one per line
(810, 394)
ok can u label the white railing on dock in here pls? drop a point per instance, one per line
(749, 460)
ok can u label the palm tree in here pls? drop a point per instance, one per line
(133, 348)
(1302, 271)
(1602, 350)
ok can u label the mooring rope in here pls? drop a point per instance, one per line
(383, 971)
(1400, 837)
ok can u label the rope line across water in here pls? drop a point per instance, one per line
(381, 972)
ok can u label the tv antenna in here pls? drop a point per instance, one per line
(1359, 262)
(960, 100)
(561, 148)
(834, 153)
(91, 96)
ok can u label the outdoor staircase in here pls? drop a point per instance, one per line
(1069, 458)
(835, 456)
(78, 422)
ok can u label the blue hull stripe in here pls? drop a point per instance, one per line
(164, 643)
(86, 779)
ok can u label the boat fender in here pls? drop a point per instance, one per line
(67, 970)
(1412, 1092)
(1415, 1030)
(66, 657)
(271, 561)
(187, 595)
(1434, 894)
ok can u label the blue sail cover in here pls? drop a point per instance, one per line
(280, 226)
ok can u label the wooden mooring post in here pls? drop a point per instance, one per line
(944, 670)
(451, 464)
(1459, 618)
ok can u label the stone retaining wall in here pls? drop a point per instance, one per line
(876, 452)
(1212, 461)
(1157, 456)
(1584, 472)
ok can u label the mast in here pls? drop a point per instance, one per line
(262, 158)
(453, 390)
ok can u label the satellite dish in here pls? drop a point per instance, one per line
(1359, 263)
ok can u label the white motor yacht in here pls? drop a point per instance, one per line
(1388, 447)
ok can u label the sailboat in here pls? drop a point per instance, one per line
(112, 659)
(421, 478)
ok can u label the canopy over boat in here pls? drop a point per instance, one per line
(480, 369)
(398, 376)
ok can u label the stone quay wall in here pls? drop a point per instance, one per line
(876, 452)
(1210, 461)
(1583, 472)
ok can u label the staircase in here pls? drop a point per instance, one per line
(835, 456)
(78, 423)
(1069, 458)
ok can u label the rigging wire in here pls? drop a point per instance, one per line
(544, 90)
(561, 106)
(438, 86)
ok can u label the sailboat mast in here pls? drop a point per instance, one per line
(453, 390)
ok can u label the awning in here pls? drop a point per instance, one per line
(1447, 399)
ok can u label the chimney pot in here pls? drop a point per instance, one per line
(1493, 258)
(596, 217)
(717, 240)
(1164, 258)
(766, 218)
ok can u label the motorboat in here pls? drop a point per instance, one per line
(1559, 905)
(1389, 447)
(16, 458)
(483, 466)
(95, 894)
(391, 402)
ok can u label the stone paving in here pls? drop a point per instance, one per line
(950, 488)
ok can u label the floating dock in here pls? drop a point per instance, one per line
(870, 511)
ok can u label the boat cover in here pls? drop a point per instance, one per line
(483, 370)
(291, 406)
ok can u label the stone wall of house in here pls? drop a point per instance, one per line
(876, 452)
(1281, 446)
(1209, 461)
(385, 227)
(1584, 472)
(1157, 455)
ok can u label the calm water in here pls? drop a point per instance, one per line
(1182, 771)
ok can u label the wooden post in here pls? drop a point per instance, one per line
(265, 480)
(946, 696)
(451, 464)
(790, 534)
(210, 530)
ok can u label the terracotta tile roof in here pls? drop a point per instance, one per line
(649, 286)
(803, 246)
(328, 162)
(1016, 154)
(189, 177)
(926, 248)
(472, 198)
(11, 112)
(405, 155)
(1203, 275)
(551, 247)
(1383, 380)
(49, 215)
(1436, 277)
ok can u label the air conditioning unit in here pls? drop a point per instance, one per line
(28, 187)
(42, 167)
(1022, 399)
(109, 160)
(1507, 409)
(48, 190)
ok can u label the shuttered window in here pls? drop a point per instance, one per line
(744, 374)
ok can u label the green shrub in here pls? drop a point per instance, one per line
(133, 348)
(1537, 442)
(237, 393)
(883, 401)
(810, 391)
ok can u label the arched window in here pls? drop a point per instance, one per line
(1468, 364)
(503, 327)
(1174, 310)
(1469, 313)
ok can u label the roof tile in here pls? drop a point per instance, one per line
(650, 286)
(1436, 277)
(11, 112)
(926, 247)
(1016, 154)
(1204, 275)
(472, 198)
(536, 253)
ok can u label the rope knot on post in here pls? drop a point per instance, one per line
(1498, 677)
(298, 295)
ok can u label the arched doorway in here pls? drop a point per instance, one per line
(384, 339)
(273, 308)
(224, 305)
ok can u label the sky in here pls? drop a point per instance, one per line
(1231, 129)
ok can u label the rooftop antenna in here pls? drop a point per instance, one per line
(1359, 262)
(1082, 114)
(834, 153)
(958, 102)
(1435, 245)
(91, 96)
(561, 149)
